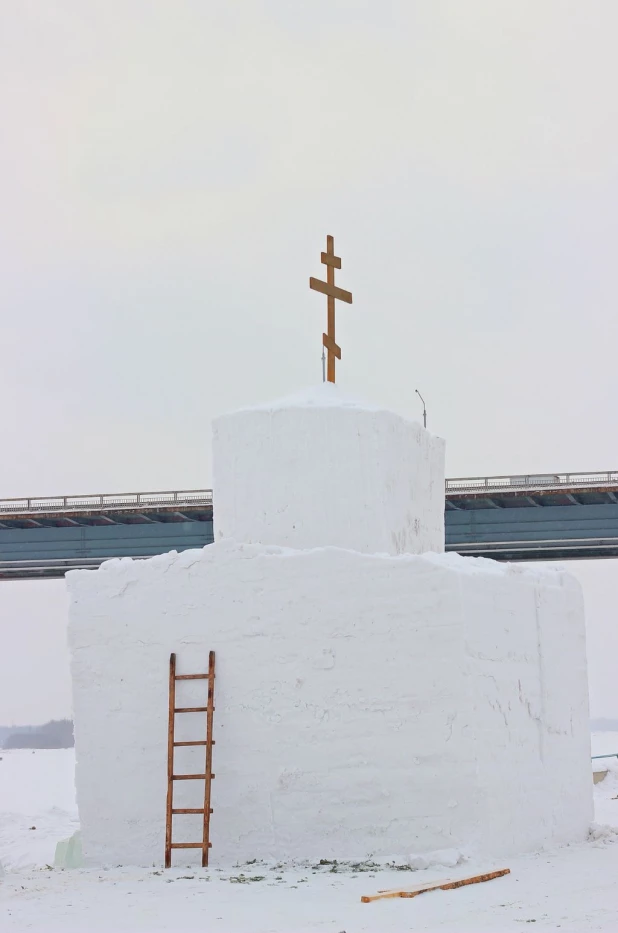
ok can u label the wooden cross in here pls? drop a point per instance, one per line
(329, 289)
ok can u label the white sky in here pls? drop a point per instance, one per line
(168, 173)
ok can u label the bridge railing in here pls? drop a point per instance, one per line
(100, 502)
(531, 481)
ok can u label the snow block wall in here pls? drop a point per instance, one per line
(365, 705)
(319, 469)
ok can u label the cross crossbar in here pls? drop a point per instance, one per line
(333, 293)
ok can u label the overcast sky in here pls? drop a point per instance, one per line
(169, 170)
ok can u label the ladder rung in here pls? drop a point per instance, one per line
(190, 810)
(191, 709)
(194, 743)
(189, 777)
(189, 845)
(191, 676)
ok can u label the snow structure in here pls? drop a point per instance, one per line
(374, 697)
(319, 469)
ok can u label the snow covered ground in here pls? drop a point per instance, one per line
(573, 888)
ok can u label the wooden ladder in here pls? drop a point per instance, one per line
(207, 777)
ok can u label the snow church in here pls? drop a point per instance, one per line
(374, 695)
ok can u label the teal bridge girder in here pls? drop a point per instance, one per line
(553, 516)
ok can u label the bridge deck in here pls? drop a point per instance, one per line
(562, 516)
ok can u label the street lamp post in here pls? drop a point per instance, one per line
(424, 408)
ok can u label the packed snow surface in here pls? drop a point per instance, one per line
(569, 889)
(323, 395)
(365, 706)
(37, 804)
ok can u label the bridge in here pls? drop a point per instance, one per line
(553, 516)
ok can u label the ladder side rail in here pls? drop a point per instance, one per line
(208, 766)
(170, 762)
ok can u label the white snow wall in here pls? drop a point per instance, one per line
(318, 469)
(364, 705)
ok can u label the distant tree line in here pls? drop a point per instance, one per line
(604, 725)
(5, 731)
(55, 734)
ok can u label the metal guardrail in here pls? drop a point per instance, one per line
(613, 755)
(109, 501)
(204, 496)
(531, 481)
(528, 544)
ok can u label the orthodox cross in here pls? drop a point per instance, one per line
(331, 291)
